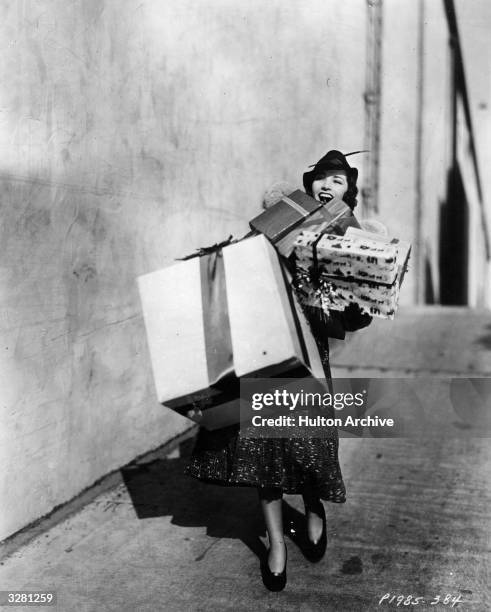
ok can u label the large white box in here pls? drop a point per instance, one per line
(213, 319)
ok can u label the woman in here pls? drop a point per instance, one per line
(306, 466)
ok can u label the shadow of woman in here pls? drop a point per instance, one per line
(161, 488)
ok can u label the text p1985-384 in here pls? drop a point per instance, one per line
(413, 600)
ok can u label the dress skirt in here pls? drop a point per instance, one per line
(294, 465)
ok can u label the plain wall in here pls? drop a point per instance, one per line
(397, 196)
(436, 145)
(132, 133)
(416, 147)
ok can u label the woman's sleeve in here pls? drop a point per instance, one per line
(351, 318)
(337, 323)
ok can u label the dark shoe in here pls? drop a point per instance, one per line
(314, 551)
(271, 580)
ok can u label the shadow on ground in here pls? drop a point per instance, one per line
(485, 340)
(161, 488)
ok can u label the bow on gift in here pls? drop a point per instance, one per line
(322, 289)
(214, 248)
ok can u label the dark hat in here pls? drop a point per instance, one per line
(332, 160)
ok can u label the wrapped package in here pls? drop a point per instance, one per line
(348, 256)
(284, 221)
(213, 319)
(402, 249)
(331, 293)
(361, 268)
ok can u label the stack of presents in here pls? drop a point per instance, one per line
(236, 309)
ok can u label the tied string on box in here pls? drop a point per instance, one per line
(214, 248)
(311, 286)
(323, 289)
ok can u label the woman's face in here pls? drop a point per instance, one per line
(330, 184)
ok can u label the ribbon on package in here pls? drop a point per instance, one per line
(299, 208)
(216, 321)
(224, 385)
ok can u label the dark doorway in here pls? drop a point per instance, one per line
(429, 285)
(454, 239)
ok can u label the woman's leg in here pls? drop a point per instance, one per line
(271, 504)
(313, 512)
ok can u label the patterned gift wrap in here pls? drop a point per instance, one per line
(365, 269)
(348, 257)
(330, 293)
(403, 249)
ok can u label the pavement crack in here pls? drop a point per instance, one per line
(207, 550)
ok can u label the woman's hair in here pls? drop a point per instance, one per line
(350, 195)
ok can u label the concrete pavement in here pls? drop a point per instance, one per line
(420, 341)
(416, 523)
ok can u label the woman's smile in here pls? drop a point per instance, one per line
(325, 196)
(330, 184)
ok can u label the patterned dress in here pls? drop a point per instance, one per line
(294, 465)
